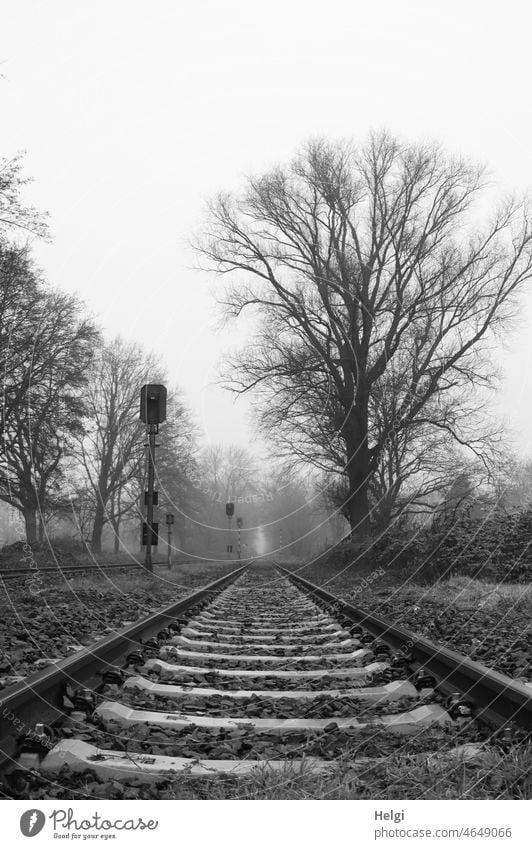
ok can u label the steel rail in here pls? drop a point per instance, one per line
(39, 699)
(92, 567)
(499, 700)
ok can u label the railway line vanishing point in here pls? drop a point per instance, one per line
(258, 670)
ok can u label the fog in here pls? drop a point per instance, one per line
(133, 116)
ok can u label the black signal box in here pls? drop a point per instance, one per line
(154, 533)
(155, 497)
(153, 403)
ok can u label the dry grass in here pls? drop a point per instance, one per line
(498, 774)
(470, 592)
(459, 590)
(132, 581)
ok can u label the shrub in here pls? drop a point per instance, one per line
(494, 548)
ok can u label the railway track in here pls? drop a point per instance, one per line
(16, 573)
(258, 669)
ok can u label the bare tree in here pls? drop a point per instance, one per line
(20, 299)
(14, 216)
(110, 449)
(49, 346)
(40, 407)
(513, 483)
(354, 260)
(81, 508)
(225, 473)
(228, 472)
(419, 462)
(292, 517)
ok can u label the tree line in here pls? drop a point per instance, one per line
(378, 281)
(72, 451)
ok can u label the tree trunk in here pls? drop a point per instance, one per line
(116, 541)
(358, 474)
(41, 528)
(359, 511)
(31, 524)
(115, 519)
(97, 529)
(177, 539)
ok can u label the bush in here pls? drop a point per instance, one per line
(494, 548)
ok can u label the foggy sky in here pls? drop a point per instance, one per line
(133, 114)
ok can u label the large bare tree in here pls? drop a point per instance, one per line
(47, 346)
(355, 260)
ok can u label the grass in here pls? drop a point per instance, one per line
(128, 581)
(470, 592)
(497, 775)
(458, 590)
(183, 575)
(493, 774)
(67, 554)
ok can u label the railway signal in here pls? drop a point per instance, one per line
(153, 403)
(169, 523)
(152, 413)
(154, 533)
(229, 512)
(239, 523)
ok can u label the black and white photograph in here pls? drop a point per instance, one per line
(266, 423)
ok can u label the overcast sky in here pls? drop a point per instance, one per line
(133, 114)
